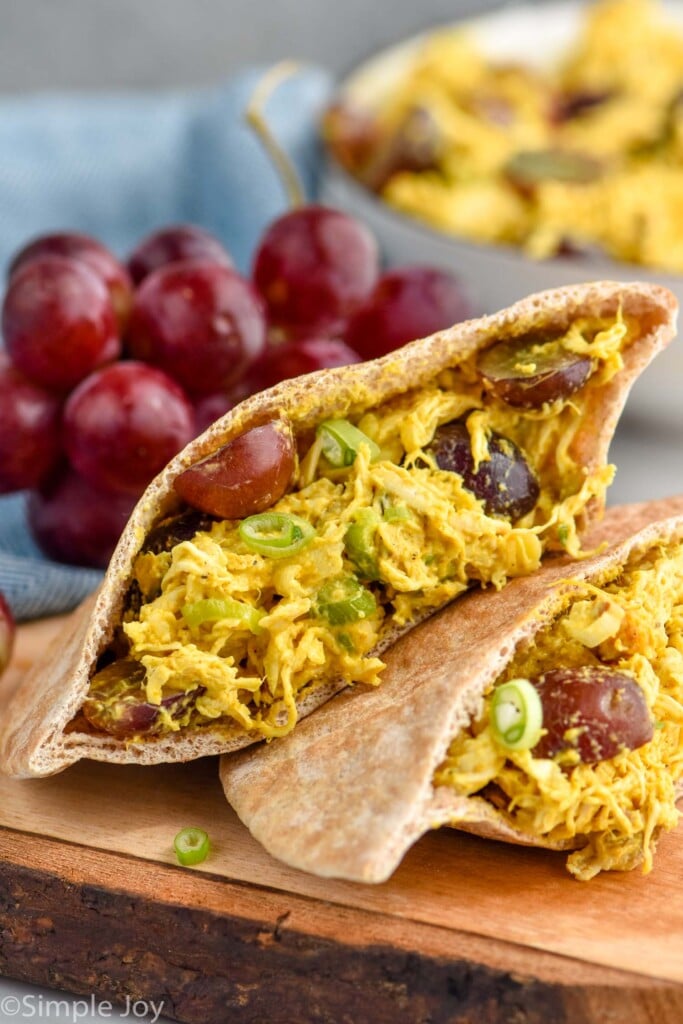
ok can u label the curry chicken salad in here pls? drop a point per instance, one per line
(581, 740)
(580, 156)
(239, 607)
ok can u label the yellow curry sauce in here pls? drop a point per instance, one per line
(431, 539)
(584, 155)
(614, 809)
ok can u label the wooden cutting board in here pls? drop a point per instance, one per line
(467, 931)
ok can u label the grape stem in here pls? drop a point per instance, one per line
(255, 117)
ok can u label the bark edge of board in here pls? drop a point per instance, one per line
(252, 959)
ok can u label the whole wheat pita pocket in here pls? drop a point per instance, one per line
(356, 785)
(619, 327)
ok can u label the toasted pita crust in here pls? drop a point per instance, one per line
(35, 739)
(351, 790)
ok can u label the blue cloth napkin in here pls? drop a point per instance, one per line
(118, 166)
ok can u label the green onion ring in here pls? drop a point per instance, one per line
(397, 514)
(345, 600)
(359, 543)
(341, 443)
(275, 534)
(517, 715)
(191, 846)
(215, 609)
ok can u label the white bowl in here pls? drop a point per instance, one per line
(496, 275)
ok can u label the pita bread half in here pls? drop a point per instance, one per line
(351, 789)
(40, 733)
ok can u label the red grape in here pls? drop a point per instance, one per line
(76, 523)
(314, 267)
(7, 631)
(179, 242)
(294, 358)
(117, 701)
(124, 423)
(504, 482)
(552, 371)
(594, 710)
(210, 408)
(58, 322)
(93, 254)
(362, 146)
(569, 105)
(407, 303)
(175, 529)
(245, 476)
(415, 146)
(352, 133)
(29, 430)
(200, 322)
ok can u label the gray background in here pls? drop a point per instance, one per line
(140, 43)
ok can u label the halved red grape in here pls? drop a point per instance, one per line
(407, 303)
(123, 424)
(569, 105)
(245, 476)
(91, 252)
(353, 134)
(117, 703)
(314, 267)
(416, 145)
(7, 633)
(29, 430)
(200, 322)
(528, 372)
(174, 244)
(174, 530)
(594, 711)
(362, 146)
(504, 482)
(294, 358)
(76, 523)
(58, 322)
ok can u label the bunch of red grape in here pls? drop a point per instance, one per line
(110, 370)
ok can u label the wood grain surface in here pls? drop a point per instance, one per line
(91, 900)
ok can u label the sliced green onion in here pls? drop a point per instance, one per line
(276, 534)
(341, 443)
(345, 641)
(191, 846)
(397, 514)
(360, 545)
(345, 600)
(517, 715)
(563, 533)
(215, 609)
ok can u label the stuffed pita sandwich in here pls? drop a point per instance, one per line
(283, 551)
(548, 714)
